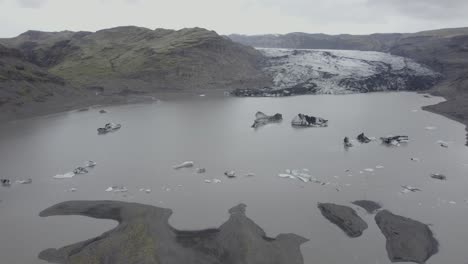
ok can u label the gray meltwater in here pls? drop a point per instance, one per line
(215, 133)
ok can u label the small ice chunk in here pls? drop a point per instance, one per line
(207, 181)
(439, 176)
(285, 175)
(185, 164)
(230, 174)
(288, 171)
(430, 128)
(67, 175)
(28, 181)
(117, 189)
(250, 174)
(415, 159)
(80, 170)
(452, 202)
(408, 188)
(302, 179)
(201, 170)
(90, 164)
(443, 143)
(369, 170)
(379, 167)
(216, 181)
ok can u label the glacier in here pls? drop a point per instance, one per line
(309, 71)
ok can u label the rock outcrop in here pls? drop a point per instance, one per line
(144, 236)
(407, 240)
(344, 217)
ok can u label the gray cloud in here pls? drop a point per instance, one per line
(31, 3)
(235, 16)
(423, 9)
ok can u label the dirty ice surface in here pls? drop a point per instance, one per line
(215, 134)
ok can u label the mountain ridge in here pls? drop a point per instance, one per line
(110, 64)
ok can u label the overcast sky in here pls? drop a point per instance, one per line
(235, 16)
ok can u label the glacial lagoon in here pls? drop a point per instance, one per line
(215, 133)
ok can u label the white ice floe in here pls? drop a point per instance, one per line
(215, 181)
(285, 175)
(67, 175)
(186, 164)
(369, 170)
(379, 167)
(302, 179)
(117, 189)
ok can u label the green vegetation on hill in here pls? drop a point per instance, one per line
(142, 59)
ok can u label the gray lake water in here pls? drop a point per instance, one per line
(215, 133)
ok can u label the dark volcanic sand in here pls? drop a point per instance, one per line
(344, 217)
(369, 206)
(145, 236)
(407, 240)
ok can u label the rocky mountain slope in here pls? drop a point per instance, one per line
(131, 60)
(23, 84)
(298, 40)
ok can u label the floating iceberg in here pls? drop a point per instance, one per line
(263, 119)
(309, 121)
(109, 127)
